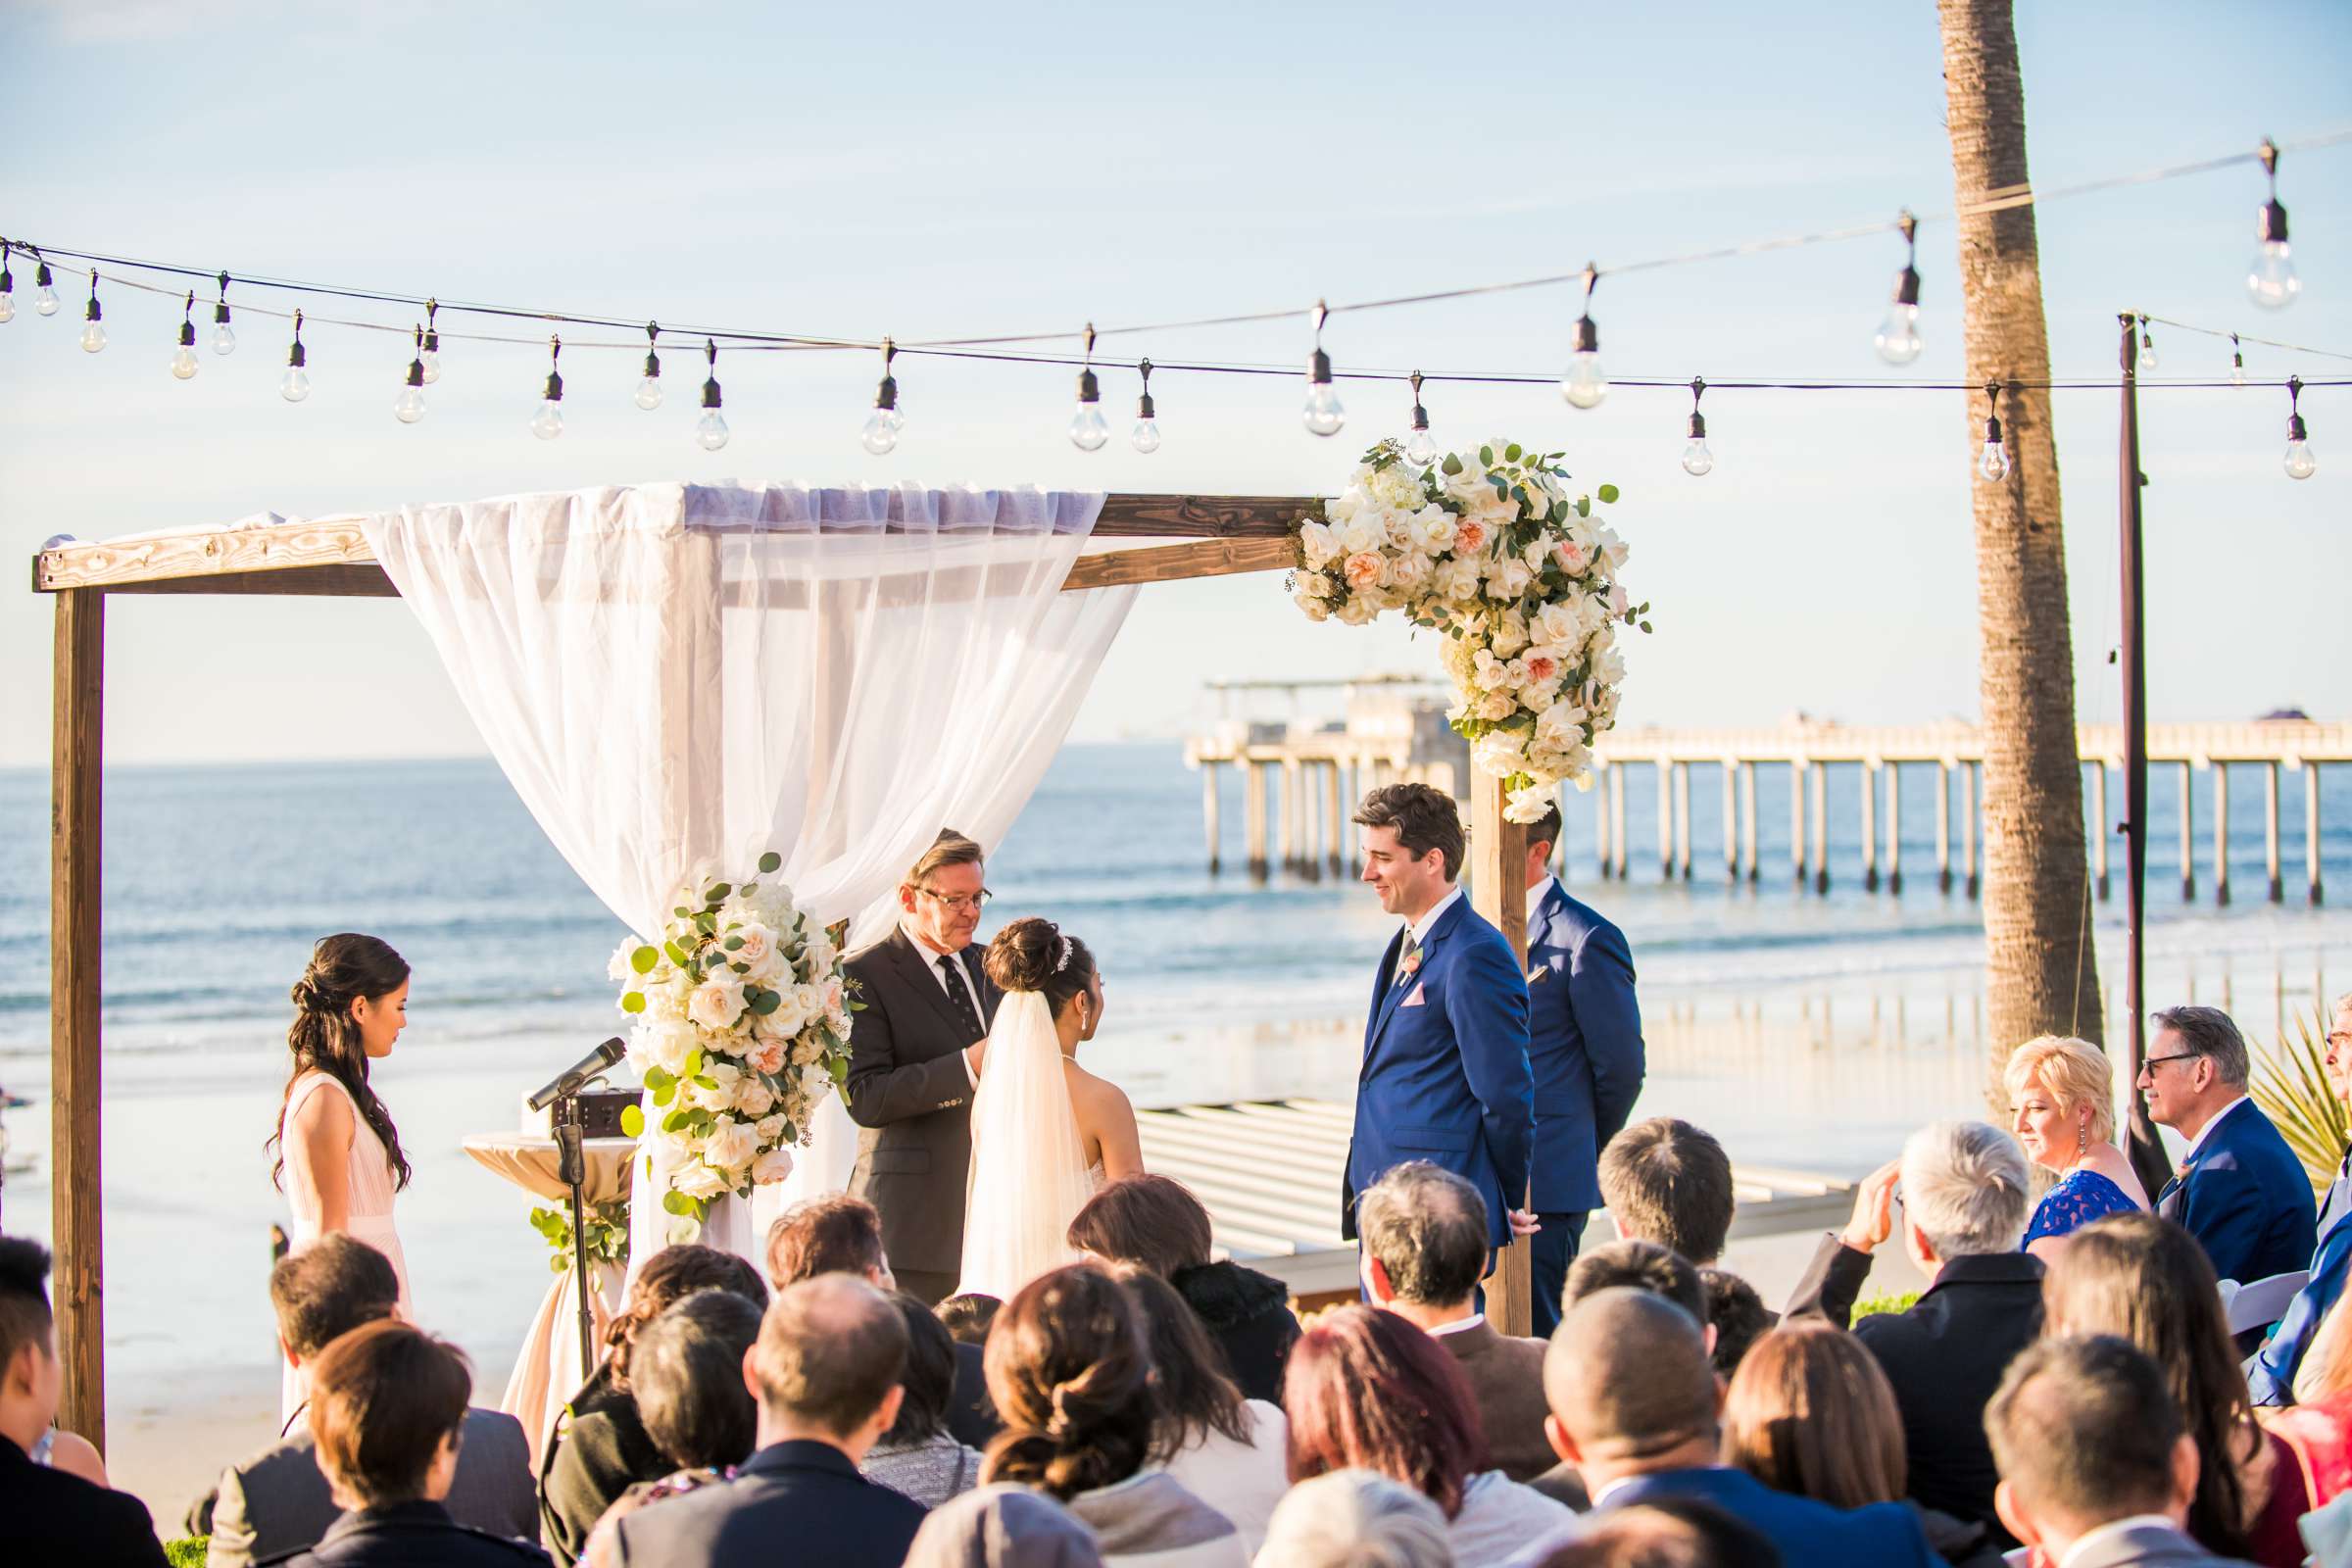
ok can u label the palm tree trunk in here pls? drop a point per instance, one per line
(2041, 972)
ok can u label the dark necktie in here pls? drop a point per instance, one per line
(959, 992)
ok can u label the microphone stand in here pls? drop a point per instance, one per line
(571, 1168)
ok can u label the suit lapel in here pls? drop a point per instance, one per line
(918, 975)
(1554, 904)
(1397, 989)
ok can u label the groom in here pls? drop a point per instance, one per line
(915, 1059)
(1445, 1074)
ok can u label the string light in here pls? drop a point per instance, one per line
(1899, 341)
(1993, 463)
(1586, 384)
(882, 427)
(2300, 464)
(2147, 349)
(648, 385)
(1088, 428)
(225, 337)
(408, 407)
(183, 360)
(548, 422)
(1145, 437)
(710, 430)
(93, 336)
(1420, 448)
(44, 288)
(2238, 363)
(295, 384)
(8, 287)
(1323, 413)
(2271, 281)
(1698, 459)
(431, 355)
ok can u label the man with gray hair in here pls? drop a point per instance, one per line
(2239, 1191)
(1424, 1234)
(1352, 1517)
(1962, 1206)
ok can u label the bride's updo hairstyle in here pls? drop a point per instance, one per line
(326, 1038)
(1071, 1376)
(1033, 954)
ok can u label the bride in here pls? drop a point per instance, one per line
(1046, 1133)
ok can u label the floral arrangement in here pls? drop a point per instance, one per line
(1489, 548)
(743, 1027)
(607, 1240)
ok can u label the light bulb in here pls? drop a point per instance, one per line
(1698, 459)
(408, 407)
(1993, 463)
(1323, 413)
(44, 300)
(1899, 341)
(1145, 437)
(881, 432)
(1420, 450)
(430, 359)
(1088, 428)
(93, 337)
(2271, 282)
(2237, 370)
(710, 430)
(548, 422)
(295, 384)
(2147, 352)
(649, 392)
(1586, 383)
(183, 361)
(225, 341)
(2300, 464)
(8, 309)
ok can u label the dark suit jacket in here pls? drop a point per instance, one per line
(277, 1501)
(911, 1097)
(600, 1450)
(1506, 1383)
(2245, 1198)
(1444, 1076)
(792, 1503)
(2150, 1546)
(1945, 1357)
(972, 1418)
(1248, 1314)
(47, 1516)
(2271, 1374)
(1810, 1534)
(1583, 1044)
(412, 1535)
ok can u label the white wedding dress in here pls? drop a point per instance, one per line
(1029, 1173)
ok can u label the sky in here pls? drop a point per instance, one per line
(931, 171)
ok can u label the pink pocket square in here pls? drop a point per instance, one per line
(1414, 999)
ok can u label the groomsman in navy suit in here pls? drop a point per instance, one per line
(2271, 1374)
(1584, 1042)
(2241, 1191)
(1445, 1073)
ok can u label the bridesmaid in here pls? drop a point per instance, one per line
(2063, 1094)
(340, 1156)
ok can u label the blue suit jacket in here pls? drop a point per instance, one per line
(1445, 1076)
(1584, 1044)
(2245, 1197)
(1882, 1535)
(2271, 1374)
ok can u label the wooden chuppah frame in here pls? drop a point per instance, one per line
(1224, 534)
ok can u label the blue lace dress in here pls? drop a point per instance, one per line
(2080, 1197)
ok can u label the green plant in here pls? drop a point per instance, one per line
(188, 1552)
(1901, 1301)
(608, 1233)
(2290, 1087)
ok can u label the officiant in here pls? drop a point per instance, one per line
(915, 1062)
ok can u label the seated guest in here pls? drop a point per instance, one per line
(1071, 1370)
(2272, 1372)
(1218, 1444)
(599, 1448)
(967, 1316)
(2096, 1469)
(1665, 1533)
(1356, 1519)
(1424, 1235)
(1641, 1266)
(839, 1234)
(1156, 1223)
(277, 1501)
(918, 1455)
(1369, 1391)
(1003, 1527)
(2317, 1429)
(1736, 1315)
(2147, 1281)
(2063, 1093)
(1665, 1181)
(687, 1373)
(386, 1408)
(1634, 1405)
(2242, 1193)
(1963, 1210)
(826, 1370)
(46, 1514)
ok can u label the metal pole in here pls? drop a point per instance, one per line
(2146, 1149)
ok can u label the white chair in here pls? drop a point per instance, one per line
(2261, 1302)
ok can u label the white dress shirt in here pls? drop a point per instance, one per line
(1456, 1326)
(1420, 928)
(2116, 1527)
(1538, 893)
(2198, 1142)
(931, 956)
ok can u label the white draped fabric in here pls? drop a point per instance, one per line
(681, 675)
(1029, 1174)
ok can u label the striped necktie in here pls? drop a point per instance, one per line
(959, 992)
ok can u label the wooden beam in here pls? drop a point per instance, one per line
(1210, 558)
(76, 767)
(1499, 891)
(1200, 517)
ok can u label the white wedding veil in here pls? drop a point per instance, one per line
(1029, 1175)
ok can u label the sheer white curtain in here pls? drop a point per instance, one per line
(673, 674)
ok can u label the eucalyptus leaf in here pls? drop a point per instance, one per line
(632, 1121)
(632, 1001)
(770, 862)
(1608, 494)
(644, 959)
(679, 1203)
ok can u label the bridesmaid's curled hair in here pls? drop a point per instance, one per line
(326, 1038)
(1071, 1376)
(1033, 954)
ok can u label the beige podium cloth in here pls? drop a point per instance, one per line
(548, 1370)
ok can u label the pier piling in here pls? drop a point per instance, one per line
(2100, 827)
(2189, 828)
(2311, 828)
(1821, 827)
(2269, 831)
(2221, 831)
(1894, 827)
(1797, 817)
(1731, 821)
(1208, 811)
(1968, 824)
(1681, 817)
(1870, 825)
(1747, 817)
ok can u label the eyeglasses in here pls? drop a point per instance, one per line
(960, 902)
(2154, 1063)
(2340, 1038)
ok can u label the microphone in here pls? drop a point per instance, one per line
(576, 1077)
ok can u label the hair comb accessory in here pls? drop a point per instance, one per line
(1063, 961)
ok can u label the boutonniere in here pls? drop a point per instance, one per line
(1409, 967)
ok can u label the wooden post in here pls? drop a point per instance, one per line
(1336, 808)
(1894, 827)
(1797, 817)
(2221, 831)
(1870, 824)
(1665, 819)
(2189, 826)
(2100, 827)
(2310, 829)
(1731, 820)
(1968, 824)
(1821, 827)
(2269, 829)
(1682, 819)
(1499, 891)
(1208, 811)
(1286, 815)
(1253, 815)
(1748, 817)
(1944, 827)
(76, 784)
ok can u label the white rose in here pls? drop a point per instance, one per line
(1528, 805)
(623, 966)
(752, 1097)
(721, 1095)
(1341, 508)
(1497, 706)
(732, 1145)
(1500, 754)
(1611, 548)
(718, 1002)
(1559, 723)
(1363, 532)
(1608, 668)
(1557, 624)
(760, 954)
(1314, 606)
(697, 1180)
(1465, 485)
(1535, 554)
(1432, 528)
(770, 1128)
(1317, 541)
(1410, 570)
(772, 1166)
(1491, 673)
(1619, 600)
(661, 1043)
(1456, 581)
(1356, 613)
(1508, 579)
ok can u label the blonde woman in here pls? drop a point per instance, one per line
(2063, 1094)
